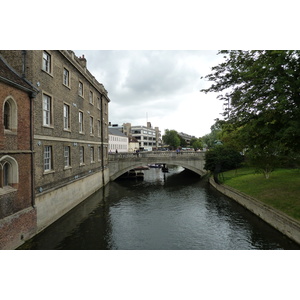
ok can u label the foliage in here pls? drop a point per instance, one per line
(171, 138)
(222, 158)
(196, 143)
(262, 91)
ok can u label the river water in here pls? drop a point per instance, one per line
(168, 211)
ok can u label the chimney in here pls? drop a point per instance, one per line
(82, 61)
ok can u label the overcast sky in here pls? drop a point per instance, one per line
(162, 87)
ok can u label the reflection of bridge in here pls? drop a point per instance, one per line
(123, 162)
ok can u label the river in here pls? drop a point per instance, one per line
(165, 211)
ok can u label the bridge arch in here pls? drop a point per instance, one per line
(121, 163)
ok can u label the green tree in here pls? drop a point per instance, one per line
(197, 143)
(262, 92)
(222, 158)
(171, 138)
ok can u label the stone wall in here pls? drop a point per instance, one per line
(277, 219)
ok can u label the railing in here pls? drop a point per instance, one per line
(149, 154)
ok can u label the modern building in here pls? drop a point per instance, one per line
(149, 138)
(70, 129)
(17, 207)
(118, 141)
(186, 137)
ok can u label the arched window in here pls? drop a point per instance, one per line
(10, 114)
(7, 112)
(6, 173)
(9, 172)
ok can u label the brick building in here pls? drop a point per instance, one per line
(17, 212)
(70, 129)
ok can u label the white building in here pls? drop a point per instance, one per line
(149, 138)
(118, 141)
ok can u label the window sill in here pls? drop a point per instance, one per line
(48, 172)
(10, 132)
(50, 74)
(67, 86)
(6, 190)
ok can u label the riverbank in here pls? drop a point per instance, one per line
(276, 200)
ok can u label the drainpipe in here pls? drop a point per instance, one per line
(33, 95)
(102, 139)
(24, 63)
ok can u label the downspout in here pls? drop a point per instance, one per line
(24, 63)
(33, 95)
(102, 139)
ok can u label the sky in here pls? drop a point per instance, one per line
(158, 86)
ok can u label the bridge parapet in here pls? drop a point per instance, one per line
(119, 163)
(156, 154)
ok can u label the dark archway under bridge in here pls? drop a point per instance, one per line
(120, 163)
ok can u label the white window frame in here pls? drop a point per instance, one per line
(81, 155)
(80, 89)
(47, 110)
(92, 153)
(80, 121)
(66, 77)
(91, 125)
(66, 114)
(47, 62)
(67, 156)
(91, 97)
(48, 159)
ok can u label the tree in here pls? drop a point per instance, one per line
(222, 158)
(262, 90)
(196, 143)
(171, 138)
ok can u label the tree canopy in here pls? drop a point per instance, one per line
(262, 91)
(171, 138)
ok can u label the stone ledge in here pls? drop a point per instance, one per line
(280, 221)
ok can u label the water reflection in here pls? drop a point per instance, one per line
(165, 211)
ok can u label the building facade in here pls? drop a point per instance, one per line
(118, 141)
(149, 138)
(70, 129)
(17, 211)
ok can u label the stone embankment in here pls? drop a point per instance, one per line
(277, 219)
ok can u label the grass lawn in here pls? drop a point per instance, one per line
(281, 190)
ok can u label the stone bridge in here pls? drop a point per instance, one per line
(123, 162)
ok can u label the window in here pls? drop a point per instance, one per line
(98, 103)
(9, 174)
(91, 97)
(6, 118)
(66, 117)
(47, 113)
(81, 155)
(99, 153)
(46, 62)
(66, 77)
(92, 154)
(91, 125)
(10, 115)
(67, 158)
(48, 158)
(81, 122)
(99, 128)
(80, 89)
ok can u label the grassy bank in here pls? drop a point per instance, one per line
(281, 190)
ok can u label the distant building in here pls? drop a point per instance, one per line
(118, 141)
(17, 207)
(186, 137)
(148, 138)
(133, 144)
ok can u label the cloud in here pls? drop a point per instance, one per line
(163, 85)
